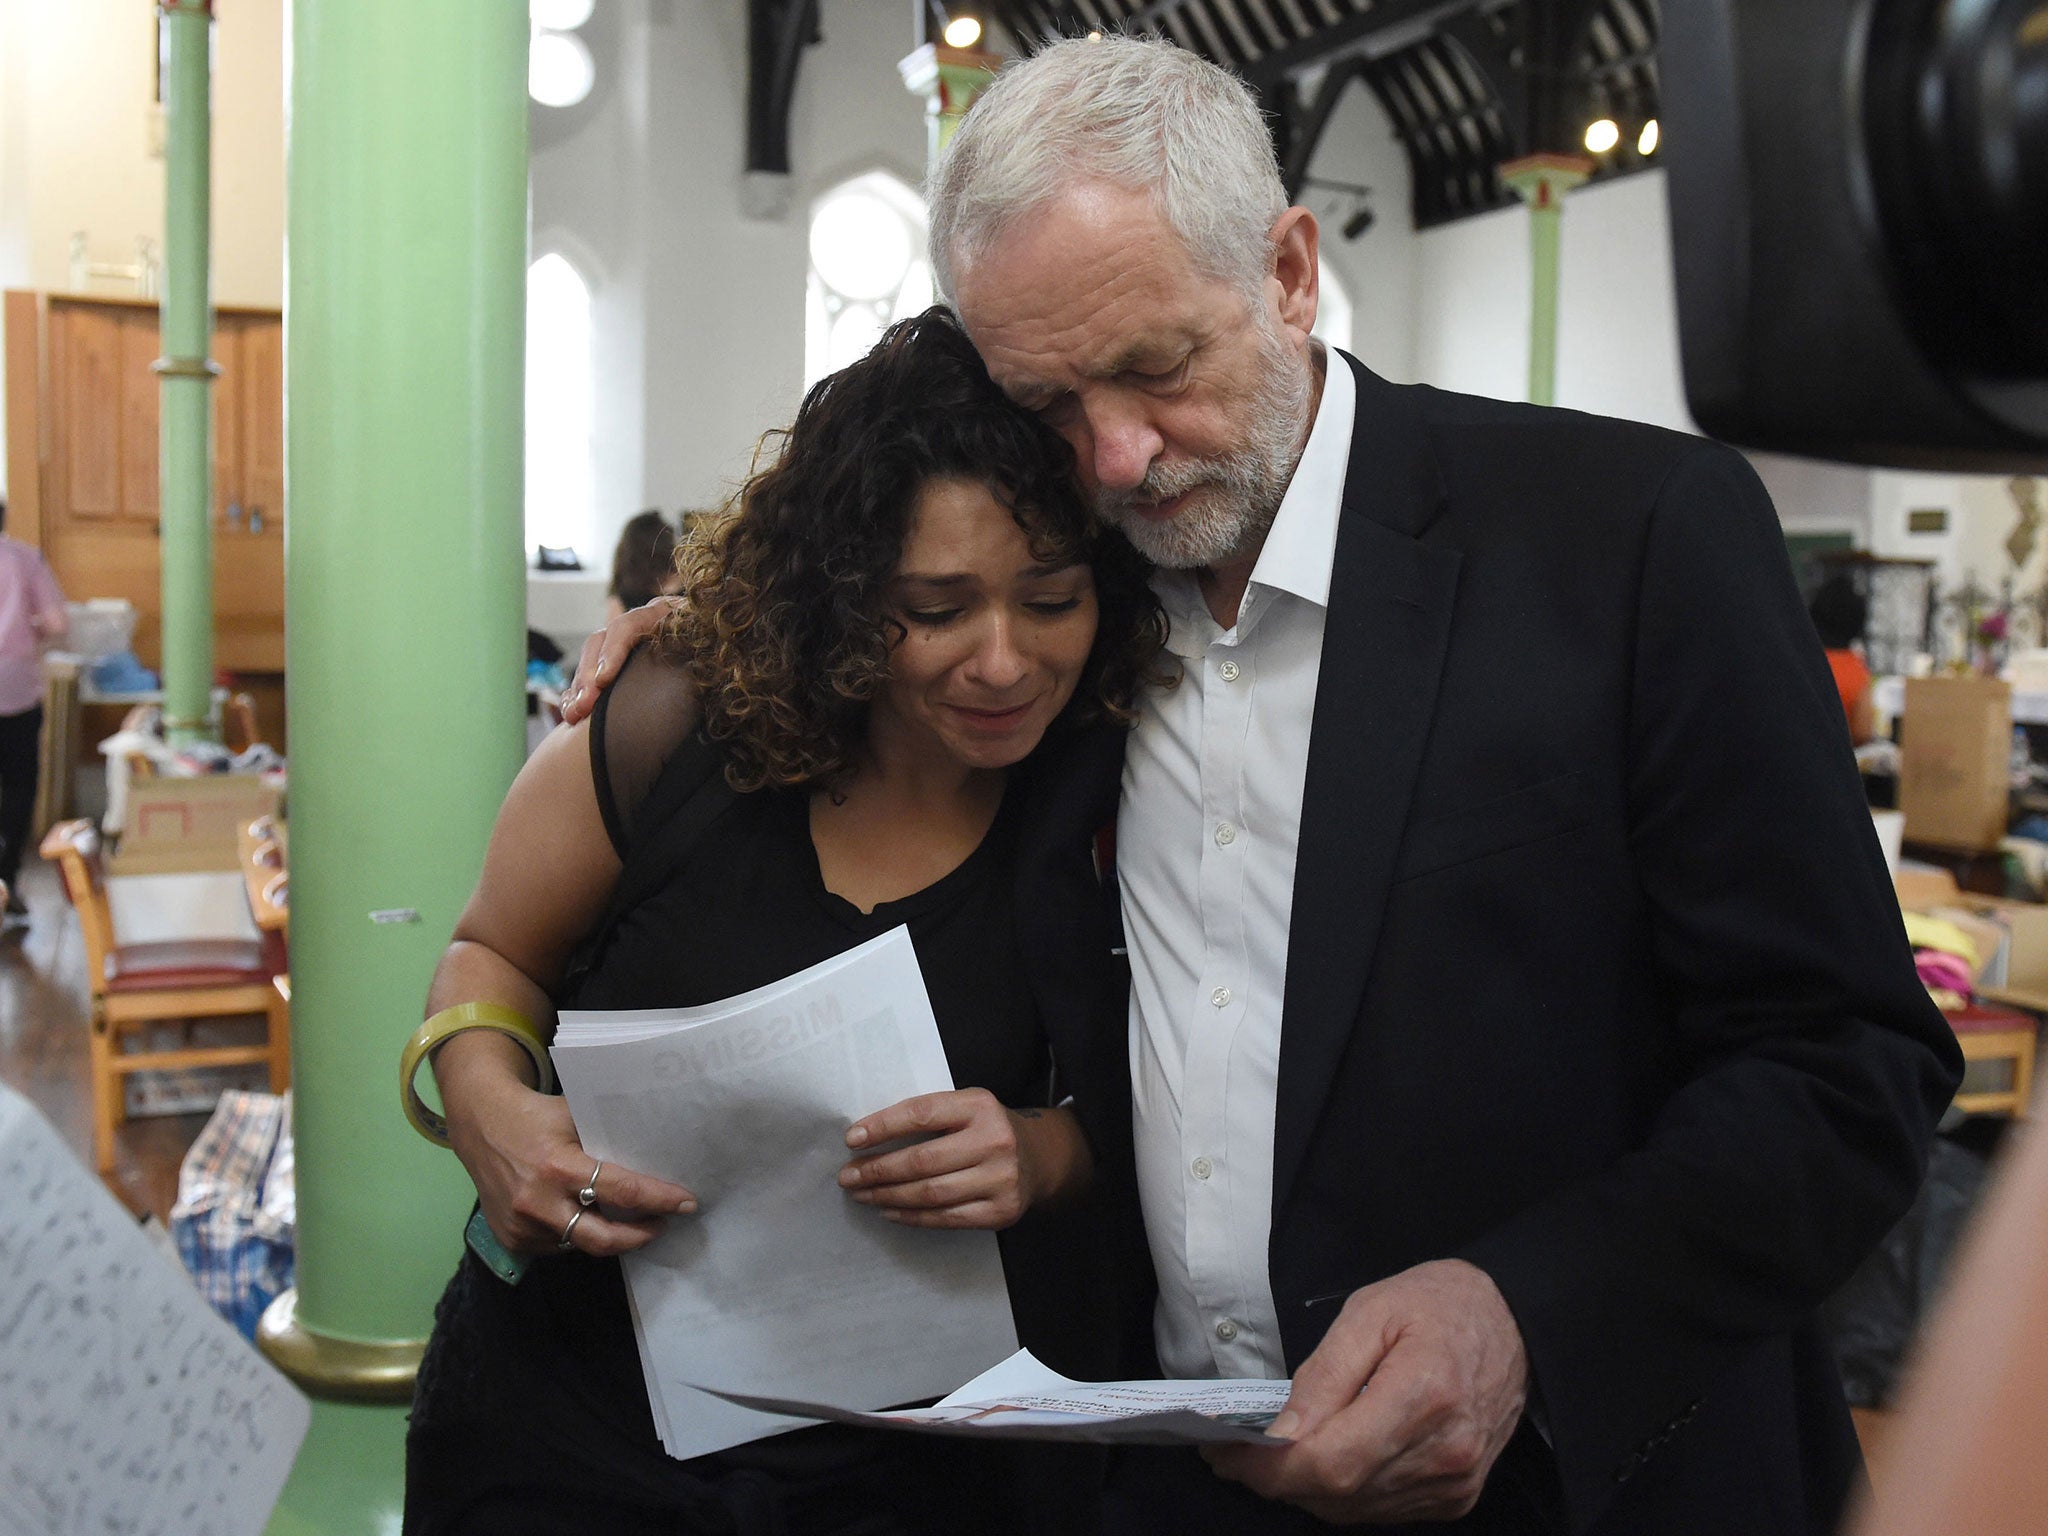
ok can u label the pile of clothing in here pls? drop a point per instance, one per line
(238, 1205)
(1948, 957)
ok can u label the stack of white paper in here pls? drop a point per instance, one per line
(782, 1285)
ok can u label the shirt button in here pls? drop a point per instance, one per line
(1220, 997)
(1229, 671)
(1226, 834)
(1226, 1330)
(1203, 1167)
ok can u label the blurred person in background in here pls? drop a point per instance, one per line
(32, 617)
(644, 564)
(1840, 614)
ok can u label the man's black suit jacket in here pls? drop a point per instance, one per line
(1595, 975)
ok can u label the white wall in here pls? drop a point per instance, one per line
(77, 117)
(15, 75)
(1816, 497)
(78, 129)
(1472, 305)
(1617, 321)
(248, 152)
(1982, 515)
(1377, 269)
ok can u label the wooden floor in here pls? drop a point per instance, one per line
(44, 1036)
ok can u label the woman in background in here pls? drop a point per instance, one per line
(643, 564)
(1839, 613)
(32, 618)
(913, 652)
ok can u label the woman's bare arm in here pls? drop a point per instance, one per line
(548, 873)
(1965, 1452)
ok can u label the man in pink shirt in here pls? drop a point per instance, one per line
(31, 616)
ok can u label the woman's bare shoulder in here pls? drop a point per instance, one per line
(648, 712)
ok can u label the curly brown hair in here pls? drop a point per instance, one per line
(785, 625)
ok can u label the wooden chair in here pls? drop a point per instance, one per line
(261, 847)
(136, 985)
(1997, 1034)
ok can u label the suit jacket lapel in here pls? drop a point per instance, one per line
(1385, 636)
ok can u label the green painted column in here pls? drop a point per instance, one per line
(1543, 181)
(185, 510)
(405, 618)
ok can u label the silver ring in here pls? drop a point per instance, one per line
(569, 1233)
(587, 1195)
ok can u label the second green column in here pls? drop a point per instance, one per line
(405, 610)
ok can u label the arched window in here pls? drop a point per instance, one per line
(868, 268)
(1333, 309)
(559, 385)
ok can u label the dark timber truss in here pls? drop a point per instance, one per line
(1467, 84)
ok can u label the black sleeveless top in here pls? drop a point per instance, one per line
(750, 908)
(516, 1377)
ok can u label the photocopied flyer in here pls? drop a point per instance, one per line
(1023, 1399)
(782, 1280)
(126, 1402)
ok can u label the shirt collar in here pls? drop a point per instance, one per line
(1301, 547)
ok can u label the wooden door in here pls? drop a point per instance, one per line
(99, 515)
(85, 377)
(99, 498)
(248, 530)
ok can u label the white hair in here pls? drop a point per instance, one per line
(1133, 112)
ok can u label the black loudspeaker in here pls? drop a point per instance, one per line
(1859, 212)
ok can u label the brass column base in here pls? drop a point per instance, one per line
(340, 1368)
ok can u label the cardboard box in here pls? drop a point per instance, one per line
(1921, 889)
(180, 826)
(2026, 971)
(1956, 761)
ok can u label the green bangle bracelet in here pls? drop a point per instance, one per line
(453, 1021)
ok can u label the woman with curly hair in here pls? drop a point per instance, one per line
(910, 651)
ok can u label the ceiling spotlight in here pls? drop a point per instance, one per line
(962, 32)
(1646, 142)
(1094, 37)
(1602, 136)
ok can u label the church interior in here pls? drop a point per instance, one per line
(344, 339)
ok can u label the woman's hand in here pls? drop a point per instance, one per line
(982, 1166)
(522, 1153)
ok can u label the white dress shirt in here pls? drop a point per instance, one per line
(1206, 841)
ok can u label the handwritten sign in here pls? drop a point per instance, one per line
(126, 1403)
